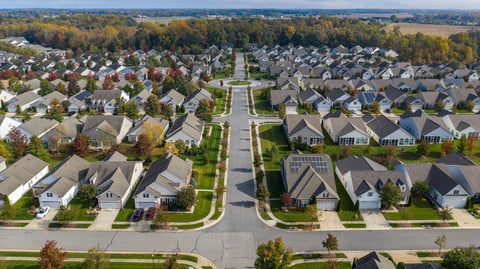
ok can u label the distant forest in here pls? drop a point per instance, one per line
(111, 32)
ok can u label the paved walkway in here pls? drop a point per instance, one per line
(464, 219)
(374, 219)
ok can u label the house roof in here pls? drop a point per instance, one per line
(20, 173)
(25, 98)
(307, 94)
(296, 123)
(422, 266)
(115, 157)
(173, 97)
(358, 163)
(364, 181)
(110, 124)
(440, 179)
(37, 126)
(139, 125)
(308, 175)
(373, 260)
(282, 96)
(198, 95)
(343, 125)
(161, 172)
(112, 176)
(383, 126)
(107, 95)
(471, 173)
(189, 124)
(334, 94)
(455, 158)
(418, 171)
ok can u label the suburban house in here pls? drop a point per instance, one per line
(346, 131)
(37, 127)
(386, 133)
(304, 129)
(22, 101)
(463, 124)
(114, 181)
(465, 95)
(62, 183)
(337, 96)
(163, 180)
(413, 103)
(309, 176)
(352, 104)
(373, 260)
(425, 127)
(173, 98)
(105, 130)
(43, 104)
(193, 99)
(467, 177)
(286, 97)
(139, 127)
(444, 189)
(308, 96)
(6, 124)
(187, 128)
(432, 100)
(141, 99)
(19, 178)
(322, 105)
(368, 98)
(79, 101)
(455, 158)
(106, 100)
(62, 134)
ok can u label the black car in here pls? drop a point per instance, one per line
(150, 213)
(138, 214)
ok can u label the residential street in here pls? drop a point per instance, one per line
(232, 242)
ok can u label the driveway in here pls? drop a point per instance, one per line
(42, 223)
(104, 220)
(464, 219)
(374, 219)
(330, 221)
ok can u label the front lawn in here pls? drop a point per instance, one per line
(202, 208)
(23, 207)
(291, 216)
(82, 210)
(220, 99)
(273, 134)
(347, 210)
(262, 105)
(316, 265)
(239, 83)
(275, 184)
(418, 210)
(127, 211)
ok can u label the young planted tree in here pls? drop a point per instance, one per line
(37, 148)
(420, 189)
(262, 192)
(462, 258)
(330, 243)
(152, 106)
(310, 212)
(445, 213)
(282, 110)
(423, 148)
(80, 145)
(96, 258)
(273, 255)
(447, 146)
(441, 242)
(391, 195)
(66, 214)
(161, 218)
(171, 263)
(144, 146)
(186, 198)
(87, 194)
(204, 110)
(51, 256)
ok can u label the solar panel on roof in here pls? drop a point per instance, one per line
(316, 162)
(370, 97)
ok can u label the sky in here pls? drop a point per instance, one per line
(253, 4)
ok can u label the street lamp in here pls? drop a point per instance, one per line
(153, 261)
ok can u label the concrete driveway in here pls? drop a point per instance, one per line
(42, 223)
(374, 219)
(464, 219)
(330, 221)
(104, 220)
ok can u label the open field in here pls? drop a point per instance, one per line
(430, 29)
(161, 20)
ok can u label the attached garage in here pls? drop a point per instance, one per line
(145, 205)
(327, 205)
(110, 204)
(51, 204)
(369, 205)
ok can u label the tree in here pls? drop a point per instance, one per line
(204, 111)
(391, 195)
(310, 212)
(262, 192)
(330, 243)
(55, 107)
(273, 255)
(447, 146)
(441, 242)
(80, 145)
(462, 144)
(15, 84)
(166, 111)
(51, 256)
(66, 214)
(91, 85)
(286, 199)
(375, 108)
(445, 213)
(60, 88)
(4, 152)
(37, 148)
(87, 194)
(45, 87)
(472, 140)
(8, 211)
(282, 111)
(144, 146)
(131, 109)
(461, 258)
(152, 106)
(180, 146)
(186, 198)
(162, 217)
(18, 141)
(107, 83)
(423, 148)
(96, 258)
(420, 189)
(171, 263)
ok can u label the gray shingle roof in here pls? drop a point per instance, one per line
(455, 158)
(108, 123)
(373, 260)
(440, 179)
(382, 126)
(189, 124)
(20, 173)
(112, 176)
(364, 181)
(358, 163)
(68, 173)
(38, 126)
(281, 96)
(296, 123)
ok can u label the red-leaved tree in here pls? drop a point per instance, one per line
(51, 256)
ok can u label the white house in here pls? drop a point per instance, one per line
(346, 131)
(444, 190)
(425, 127)
(385, 133)
(6, 124)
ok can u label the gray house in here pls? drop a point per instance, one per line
(187, 128)
(286, 97)
(105, 130)
(139, 128)
(304, 128)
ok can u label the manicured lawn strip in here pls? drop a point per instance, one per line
(188, 226)
(355, 225)
(316, 265)
(216, 215)
(286, 226)
(239, 83)
(271, 134)
(188, 258)
(219, 101)
(306, 256)
(70, 225)
(22, 207)
(262, 106)
(423, 254)
(127, 211)
(120, 226)
(13, 224)
(424, 224)
(81, 209)
(255, 75)
(202, 208)
(264, 215)
(207, 172)
(275, 185)
(287, 217)
(347, 208)
(19, 254)
(418, 210)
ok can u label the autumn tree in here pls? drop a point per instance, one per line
(107, 83)
(273, 255)
(18, 141)
(423, 148)
(66, 214)
(310, 212)
(375, 108)
(204, 111)
(281, 110)
(186, 198)
(171, 263)
(36, 148)
(161, 217)
(462, 144)
(97, 258)
(166, 111)
(80, 145)
(15, 85)
(262, 192)
(51, 256)
(4, 152)
(471, 142)
(447, 146)
(391, 195)
(55, 107)
(91, 85)
(144, 146)
(60, 88)
(330, 243)
(286, 199)
(441, 242)
(152, 106)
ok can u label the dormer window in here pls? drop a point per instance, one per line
(146, 195)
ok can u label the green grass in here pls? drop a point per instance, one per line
(81, 209)
(120, 226)
(347, 208)
(289, 226)
(423, 254)
(22, 207)
(262, 105)
(239, 83)
(418, 210)
(355, 225)
(202, 208)
(261, 75)
(218, 213)
(219, 100)
(127, 211)
(13, 224)
(291, 216)
(316, 265)
(207, 172)
(70, 225)
(189, 226)
(306, 256)
(424, 224)
(273, 134)
(275, 185)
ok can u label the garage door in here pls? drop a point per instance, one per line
(369, 205)
(113, 205)
(51, 204)
(326, 205)
(145, 204)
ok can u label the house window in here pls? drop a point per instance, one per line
(370, 193)
(49, 194)
(146, 195)
(456, 192)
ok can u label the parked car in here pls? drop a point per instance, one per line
(42, 212)
(138, 214)
(150, 213)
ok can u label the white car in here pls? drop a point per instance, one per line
(42, 212)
